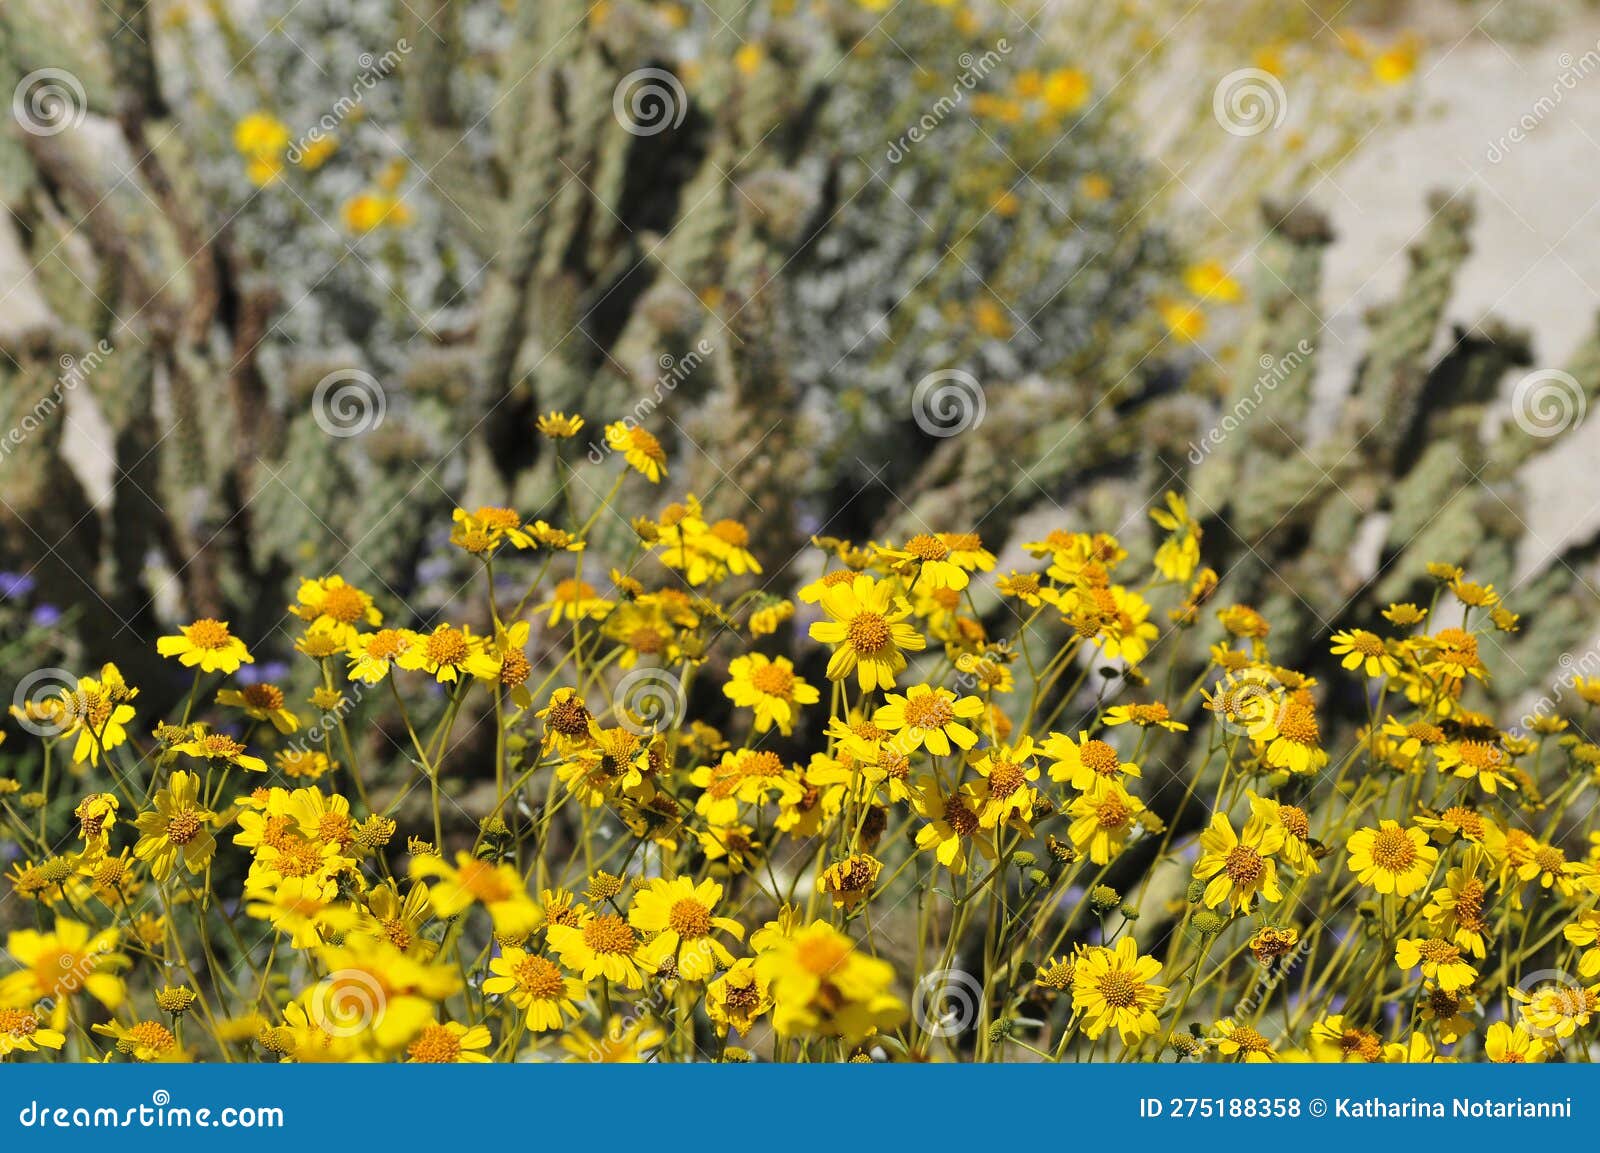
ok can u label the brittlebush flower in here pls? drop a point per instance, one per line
(1239, 868)
(1112, 989)
(1439, 960)
(536, 985)
(867, 628)
(737, 998)
(929, 718)
(770, 686)
(179, 828)
(208, 644)
(639, 448)
(822, 986)
(679, 913)
(601, 945)
(1391, 859)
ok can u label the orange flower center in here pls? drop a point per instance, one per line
(1393, 850)
(209, 634)
(689, 918)
(868, 632)
(436, 1045)
(610, 934)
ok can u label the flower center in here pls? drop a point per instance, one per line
(209, 634)
(17, 1022)
(1119, 988)
(774, 680)
(1438, 952)
(1294, 820)
(821, 955)
(435, 1046)
(960, 818)
(264, 696)
(1393, 850)
(1100, 757)
(152, 1034)
(1244, 866)
(386, 644)
(540, 978)
(1111, 813)
(182, 827)
(447, 645)
(689, 918)
(929, 711)
(344, 604)
(610, 934)
(925, 547)
(868, 632)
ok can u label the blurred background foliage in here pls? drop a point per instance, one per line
(477, 228)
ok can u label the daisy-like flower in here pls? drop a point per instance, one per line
(850, 881)
(1459, 910)
(497, 887)
(737, 998)
(679, 913)
(1477, 761)
(67, 961)
(624, 1041)
(1241, 1042)
(1447, 1011)
(1506, 1044)
(1585, 933)
(536, 985)
(1414, 736)
(1112, 989)
(1295, 742)
(450, 1043)
(929, 557)
(823, 986)
(559, 426)
(1366, 651)
(1334, 1040)
(1238, 868)
(218, 747)
(481, 533)
(372, 655)
(1391, 859)
(1102, 820)
(1558, 1008)
(504, 662)
(1006, 794)
(929, 718)
(867, 628)
(96, 710)
(208, 644)
(21, 1031)
(601, 945)
(1084, 762)
(1155, 713)
(179, 828)
(143, 1040)
(770, 687)
(446, 653)
(574, 600)
(639, 448)
(332, 603)
(1439, 960)
(1296, 825)
(261, 702)
(1179, 554)
(953, 825)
